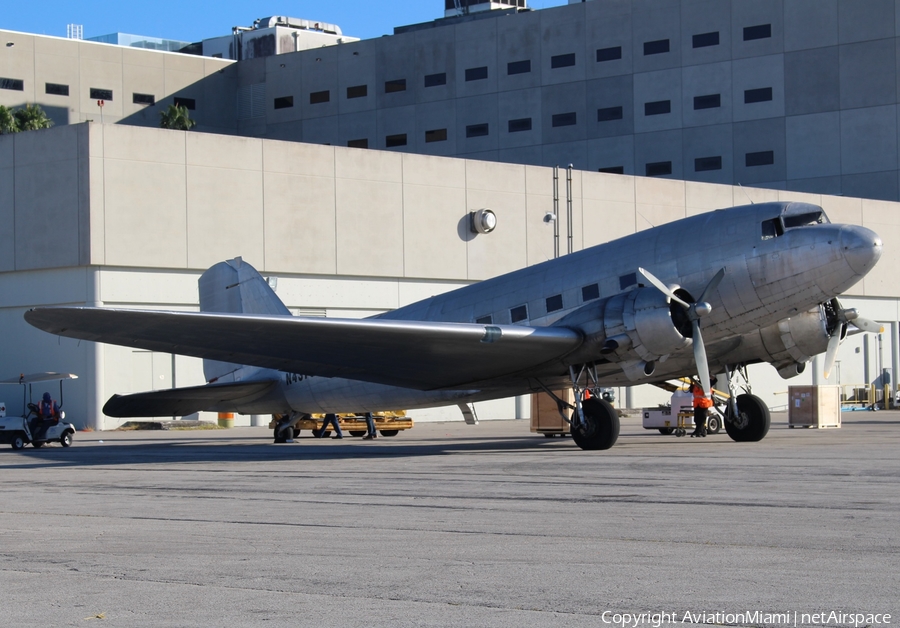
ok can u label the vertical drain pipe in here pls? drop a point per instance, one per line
(555, 212)
(569, 206)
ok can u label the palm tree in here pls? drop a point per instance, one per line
(32, 118)
(176, 117)
(8, 123)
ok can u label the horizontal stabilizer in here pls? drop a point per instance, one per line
(183, 401)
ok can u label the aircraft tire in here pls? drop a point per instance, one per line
(601, 428)
(753, 420)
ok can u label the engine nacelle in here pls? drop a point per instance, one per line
(791, 343)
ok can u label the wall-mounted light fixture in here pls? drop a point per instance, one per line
(10, 44)
(482, 221)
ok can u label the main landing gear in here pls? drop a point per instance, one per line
(594, 423)
(747, 417)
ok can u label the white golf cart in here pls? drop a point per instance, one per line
(18, 431)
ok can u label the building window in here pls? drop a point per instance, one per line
(437, 135)
(316, 98)
(763, 31)
(710, 101)
(626, 281)
(434, 80)
(704, 40)
(143, 99)
(658, 168)
(57, 90)
(518, 314)
(485, 320)
(393, 141)
(609, 113)
(562, 61)
(657, 108)
(363, 143)
(101, 94)
(612, 170)
(518, 67)
(477, 130)
(658, 47)
(17, 85)
(476, 74)
(564, 119)
(187, 103)
(609, 54)
(522, 124)
(357, 91)
(397, 85)
(554, 303)
(762, 94)
(591, 292)
(762, 158)
(704, 164)
(284, 102)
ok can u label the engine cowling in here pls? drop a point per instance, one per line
(791, 343)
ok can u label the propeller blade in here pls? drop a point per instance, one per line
(831, 354)
(866, 324)
(663, 288)
(712, 285)
(700, 359)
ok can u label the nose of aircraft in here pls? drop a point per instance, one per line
(861, 248)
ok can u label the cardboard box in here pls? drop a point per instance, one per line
(814, 406)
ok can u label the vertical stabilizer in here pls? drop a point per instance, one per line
(235, 287)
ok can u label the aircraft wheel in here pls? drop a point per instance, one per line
(66, 439)
(296, 433)
(279, 434)
(37, 444)
(713, 425)
(752, 422)
(601, 426)
(665, 431)
(18, 441)
(357, 433)
(389, 433)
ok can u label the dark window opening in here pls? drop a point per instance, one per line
(363, 143)
(609, 113)
(17, 85)
(485, 320)
(704, 40)
(704, 164)
(612, 170)
(609, 54)
(762, 158)
(762, 31)
(518, 314)
(518, 67)
(710, 101)
(627, 280)
(772, 229)
(757, 95)
(657, 108)
(317, 98)
(477, 130)
(396, 85)
(101, 94)
(564, 119)
(284, 102)
(658, 168)
(433, 80)
(477, 74)
(591, 292)
(143, 99)
(358, 91)
(562, 61)
(437, 135)
(658, 47)
(554, 303)
(187, 103)
(57, 89)
(392, 141)
(522, 124)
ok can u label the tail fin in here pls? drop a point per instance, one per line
(235, 287)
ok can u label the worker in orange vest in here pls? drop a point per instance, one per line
(702, 404)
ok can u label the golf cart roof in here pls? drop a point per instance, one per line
(38, 377)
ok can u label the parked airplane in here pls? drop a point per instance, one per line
(621, 313)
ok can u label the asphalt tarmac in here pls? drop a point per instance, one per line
(454, 525)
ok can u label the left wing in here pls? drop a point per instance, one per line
(411, 354)
(183, 401)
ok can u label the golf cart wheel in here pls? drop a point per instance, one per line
(665, 431)
(66, 439)
(713, 425)
(18, 441)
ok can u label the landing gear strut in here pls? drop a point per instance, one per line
(594, 423)
(747, 417)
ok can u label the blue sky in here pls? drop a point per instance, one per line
(193, 21)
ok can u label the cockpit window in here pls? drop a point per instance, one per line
(771, 229)
(804, 220)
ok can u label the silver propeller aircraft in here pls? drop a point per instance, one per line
(709, 293)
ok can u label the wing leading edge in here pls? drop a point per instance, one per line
(411, 354)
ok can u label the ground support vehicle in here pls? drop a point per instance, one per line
(386, 423)
(19, 431)
(678, 416)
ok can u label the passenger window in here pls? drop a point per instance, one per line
(627, 280)
(485, 320)
(590, 292)
(554, 303)
(518, 314)
(772, 229)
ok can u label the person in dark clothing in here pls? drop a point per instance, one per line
(332, 419)
(370, 427)
(702, 404)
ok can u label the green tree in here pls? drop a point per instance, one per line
(176, 117)
(32, 118)
(8, 123)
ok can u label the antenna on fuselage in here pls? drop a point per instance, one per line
(745, 193)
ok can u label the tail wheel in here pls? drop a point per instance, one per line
(600, 428)
(752, 421)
